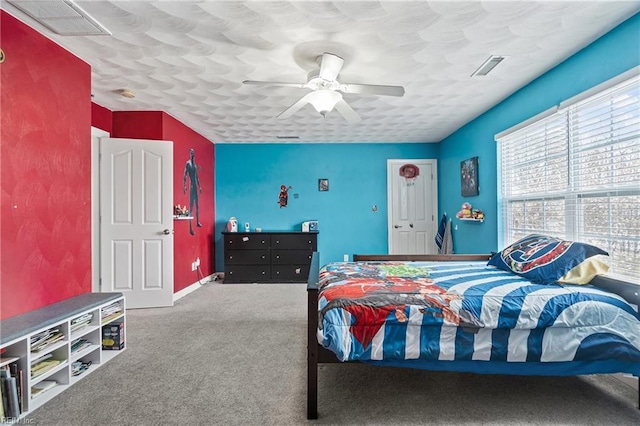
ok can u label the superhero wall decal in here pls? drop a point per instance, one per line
(283, 197)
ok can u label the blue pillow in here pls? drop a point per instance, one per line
(543, 259)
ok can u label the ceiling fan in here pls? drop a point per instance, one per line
(325, 89)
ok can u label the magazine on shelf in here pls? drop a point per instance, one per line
(42, 340)
(43, 366)
(79, 344)
(81, 322)
(42, 387)
(111, 311)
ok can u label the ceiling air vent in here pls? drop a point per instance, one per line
(488, 65)
(63, 17)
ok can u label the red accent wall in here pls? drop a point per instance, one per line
(137, 124)
(159, 125)
(101, 117)
(45, 171)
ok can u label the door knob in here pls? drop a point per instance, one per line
(411, 225)
(397, 226)
(167, 231)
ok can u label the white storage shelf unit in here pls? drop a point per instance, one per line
(81, 317)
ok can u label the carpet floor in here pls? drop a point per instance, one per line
(235, 354)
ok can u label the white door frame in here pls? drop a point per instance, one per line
(434, 196)
(96, 134)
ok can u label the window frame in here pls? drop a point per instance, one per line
(535, 135)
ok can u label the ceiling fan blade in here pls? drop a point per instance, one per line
(330, 66)
(347, 112)
(275, 83)
(372, 89)
(295, 107)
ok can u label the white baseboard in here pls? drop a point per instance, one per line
(193, 287)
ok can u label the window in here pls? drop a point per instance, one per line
(574, 173)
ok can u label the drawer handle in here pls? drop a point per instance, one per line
(278, 257)
(277, 241)
(278, 273)
(230, 257)
(262, 241)
(263, 272)
(263, 256)
(230, 272)
(309, 241)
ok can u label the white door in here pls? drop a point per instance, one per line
(412, 197)
(136, 220)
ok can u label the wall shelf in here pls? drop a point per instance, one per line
(470, 219)
(182, 217)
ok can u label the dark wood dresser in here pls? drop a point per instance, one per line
(263, 257)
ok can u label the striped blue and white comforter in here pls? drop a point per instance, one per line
(394, 311)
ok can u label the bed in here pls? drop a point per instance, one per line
(455, 313)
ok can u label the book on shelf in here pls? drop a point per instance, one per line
(111, 311)
(10, 394)
(79, 344)
(3, 400)
(81, 322)
(42, 387)
(16, 373)
(44, 339)
(42, 367)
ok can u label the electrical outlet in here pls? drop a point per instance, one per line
(346, 257)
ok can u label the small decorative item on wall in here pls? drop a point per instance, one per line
(283, 197)
(469, 177)
(323, 184)
(409, 172)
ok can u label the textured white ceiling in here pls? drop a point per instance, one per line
(189, 58)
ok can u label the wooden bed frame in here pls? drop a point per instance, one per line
(317, 354)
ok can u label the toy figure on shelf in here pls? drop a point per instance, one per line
(179, 210)
(283, 198)
(232, 225)
(467, 212)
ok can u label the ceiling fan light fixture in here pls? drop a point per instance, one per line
(324, 100)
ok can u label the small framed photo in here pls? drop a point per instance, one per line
(323, 184)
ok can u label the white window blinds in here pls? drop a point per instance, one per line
(575, 174)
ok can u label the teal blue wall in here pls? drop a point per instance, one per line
(248, 176)
(248, 179)
(612, 54)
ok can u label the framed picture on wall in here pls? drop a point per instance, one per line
(323, 184)
(469, 177)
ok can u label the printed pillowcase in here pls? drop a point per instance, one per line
(546, 260)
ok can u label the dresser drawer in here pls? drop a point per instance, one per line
(294, 241)
(246, 257)
(246, 242)
(290, 257)
(247, 273)
(289, 273)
